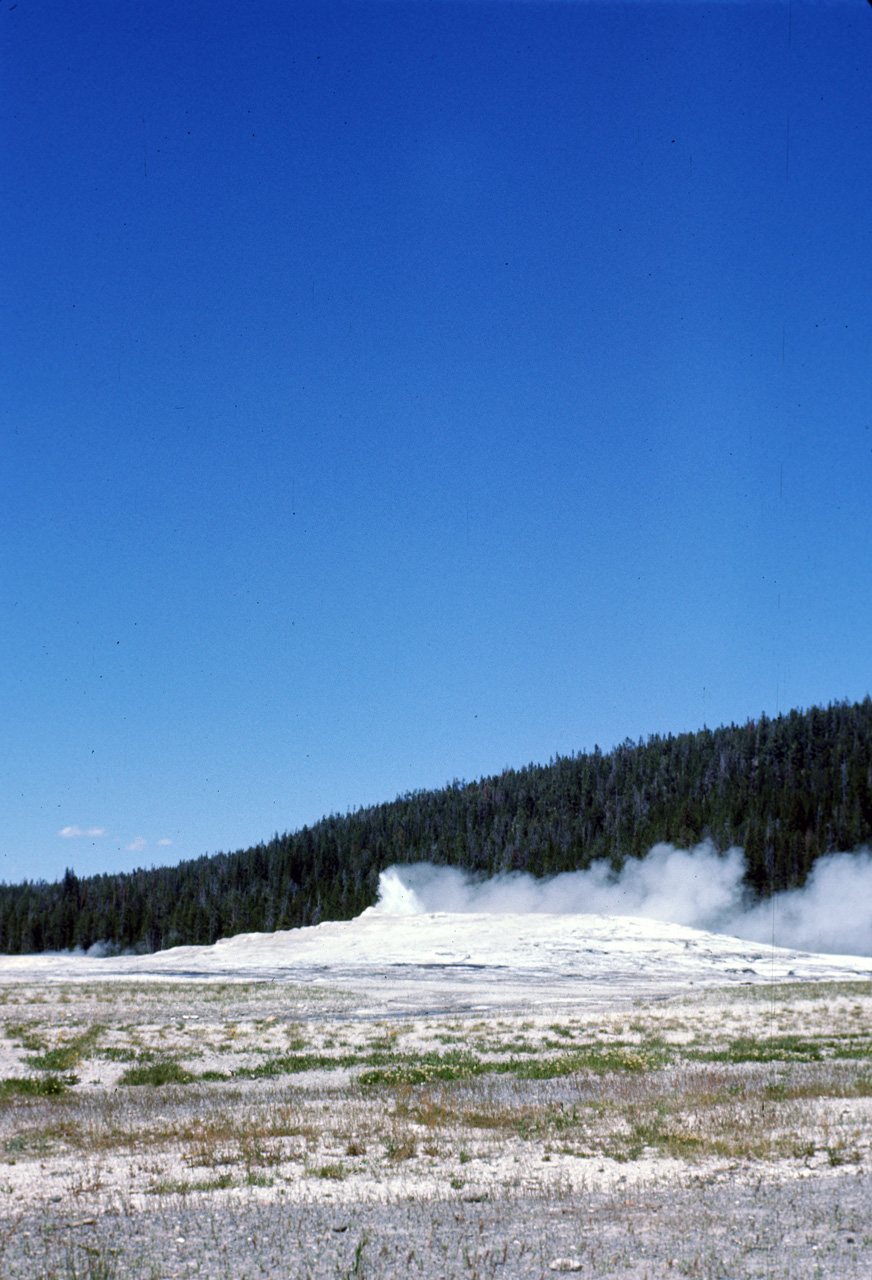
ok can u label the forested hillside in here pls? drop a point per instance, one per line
(787, 790)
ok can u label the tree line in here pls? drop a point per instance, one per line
(787, 790)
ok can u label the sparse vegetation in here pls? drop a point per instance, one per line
(719, 1084)
(672, 1089)
(164, 1071)
(47, 1086)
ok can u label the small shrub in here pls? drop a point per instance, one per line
(50, 1086)
(24, 1034)
(67, 1054)
(400, 1147)
(166, 1071)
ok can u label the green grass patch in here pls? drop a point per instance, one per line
(431, 1068)
(23, 1033)
(48, 1086)
(854, 1047)
(112, 1053)
(770, 1049)
(426, 1068)
(166, 1071)
(598, 1058)
(69, 1053)
(293, 1063)
(184, 1186)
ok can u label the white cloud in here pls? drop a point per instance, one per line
(137, 845)
(75, 833)
(164, 841)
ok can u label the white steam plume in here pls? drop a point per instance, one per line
(697, 887)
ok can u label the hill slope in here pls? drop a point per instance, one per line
(787, 790)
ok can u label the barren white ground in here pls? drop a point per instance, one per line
(519, 988)
(467, 960)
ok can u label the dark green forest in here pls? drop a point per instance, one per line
(787, 790)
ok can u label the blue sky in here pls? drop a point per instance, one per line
(395, 392)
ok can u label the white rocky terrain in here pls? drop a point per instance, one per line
(480, 1091)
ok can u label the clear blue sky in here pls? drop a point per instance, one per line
(393, 392)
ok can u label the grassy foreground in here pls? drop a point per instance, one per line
(117, 1097)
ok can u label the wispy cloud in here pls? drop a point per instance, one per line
(137, 845)
(76, 833)
(162, 842)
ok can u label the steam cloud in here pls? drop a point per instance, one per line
(697, 887)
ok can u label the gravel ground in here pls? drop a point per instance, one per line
(312, 1174)
(814, 1226)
